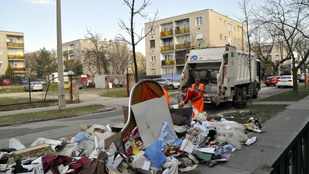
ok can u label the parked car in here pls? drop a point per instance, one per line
(302, 77)
(5, 82)
(171, 84)
(80, 86)
(34, 86)
(271, 80)
(42, 81)
(23, 81)
(285, 80)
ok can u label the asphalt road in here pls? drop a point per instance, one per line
(67, 127)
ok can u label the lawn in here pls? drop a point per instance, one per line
(52, 114)
(289, 95)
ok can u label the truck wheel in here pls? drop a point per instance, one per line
(238, 94)
(171, 87)
(256, 93)
(244, 93)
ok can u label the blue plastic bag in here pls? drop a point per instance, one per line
(167, 136)
(155, 154)
(81, 136)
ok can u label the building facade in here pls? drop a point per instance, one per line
(273, 52)
(74, 51)
(172, 38)
(12, 52)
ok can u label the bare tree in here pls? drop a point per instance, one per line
(290, 19)
(119, 57)
(248, 20)
(135, 37)
(94, 57)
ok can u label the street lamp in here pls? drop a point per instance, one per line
(61, 95)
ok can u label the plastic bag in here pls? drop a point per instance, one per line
(155, 154)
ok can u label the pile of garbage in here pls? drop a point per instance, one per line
(101, 149)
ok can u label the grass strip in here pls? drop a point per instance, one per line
(52, 114)
(289, 95)
(259, 112)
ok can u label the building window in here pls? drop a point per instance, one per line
(152, 44)
(277, 46)
(0, 51)
(230, 27)
(167, 70)
(0, 38)
(152, 31)
(220, 21)
(1, 64)
(225, 38)
(199, 21)
(220, 36)
(168, 57)
(238, 41)
(77, 46)
(65, 48)
(153, 58)
(199, 37)
(230, 41)
(153, 71)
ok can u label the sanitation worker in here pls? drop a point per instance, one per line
(167, 96)
(199, 87)
(193, 96)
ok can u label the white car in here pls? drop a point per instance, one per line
(171, 84)
(34, 86)
(285, 80)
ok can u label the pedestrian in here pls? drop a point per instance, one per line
(193, 96)
(167, 96)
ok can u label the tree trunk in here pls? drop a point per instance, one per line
(133, 44)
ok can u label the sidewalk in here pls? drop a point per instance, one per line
(277, 131)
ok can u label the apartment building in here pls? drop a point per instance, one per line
(274, 52)
(73, 51)
(171, 39)
(12, 52)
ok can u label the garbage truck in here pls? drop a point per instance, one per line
(225, 73)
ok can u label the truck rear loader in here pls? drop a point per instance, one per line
(225, 73)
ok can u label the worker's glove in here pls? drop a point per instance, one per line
(180, 105)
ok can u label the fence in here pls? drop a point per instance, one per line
(293, 157)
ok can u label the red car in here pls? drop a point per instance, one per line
(271, 80)
(5, 82)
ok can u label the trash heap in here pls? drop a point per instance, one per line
(101, 149)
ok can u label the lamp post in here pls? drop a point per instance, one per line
(61, 95)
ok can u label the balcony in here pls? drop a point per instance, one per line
(182, 31)
(19, 69)
(11, 44)
(180, 61)
(166, 33)
(167, 48)
(183, 46)
(65, 53)
(167, 62)
(71, 51)
(19, 57)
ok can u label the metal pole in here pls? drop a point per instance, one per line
(242, 36)
(61, 96)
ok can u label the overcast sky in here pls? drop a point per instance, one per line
(37, 18)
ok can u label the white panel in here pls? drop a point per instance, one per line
(150, 116)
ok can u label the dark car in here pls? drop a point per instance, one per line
(23, 81)
(271, 80)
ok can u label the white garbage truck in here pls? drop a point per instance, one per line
(225, 73)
